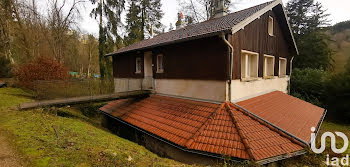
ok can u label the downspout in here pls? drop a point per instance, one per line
(231, 64)
(290, 73)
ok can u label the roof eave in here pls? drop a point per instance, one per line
(281, 157)
(173, 42)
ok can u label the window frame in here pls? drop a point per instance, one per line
(285, 67)
(265, 70)
(256, 76)
(270, 26)
(158, 63)
(137, 70)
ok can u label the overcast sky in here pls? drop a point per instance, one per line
(338, 10)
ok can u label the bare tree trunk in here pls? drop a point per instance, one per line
(89, 63)
(143, 21)
(20, 24)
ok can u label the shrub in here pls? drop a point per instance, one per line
(318, 87)
(309, 85)
(41, 68)
(338, 97)
(5, 67)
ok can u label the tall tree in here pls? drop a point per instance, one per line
(133, 23)
(91, 47)
(143, 19)
(60, 24)
(111, 10)
(5, 18)
(307, 20)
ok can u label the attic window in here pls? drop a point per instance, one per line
(270, 26)
(249, 65)
(160, 65)
(138, 65)
(269, 65)
(282, 67)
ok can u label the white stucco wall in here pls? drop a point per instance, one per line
(241, 89)
(127, 84)
(200, 89)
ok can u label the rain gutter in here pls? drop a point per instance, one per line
(290, 73)
(171, 42)
(231, 64)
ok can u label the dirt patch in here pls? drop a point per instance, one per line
(8, 157)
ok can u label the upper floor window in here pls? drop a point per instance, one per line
(160, 64)
(249, 65)
(269, 66)
(270, 26)
(282, 67)
(138, 65)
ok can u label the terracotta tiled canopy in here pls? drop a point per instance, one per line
(222, 129)
(287, 112)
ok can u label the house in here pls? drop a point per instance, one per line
(219, 88)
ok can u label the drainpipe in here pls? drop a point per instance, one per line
(231, 64)
(290, 73)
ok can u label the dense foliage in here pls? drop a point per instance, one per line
(309, 84)
(338, 96)
(313, 79)
(41, 68)
(143, 20)
(108, 30)
(330, 91)
(307, 20)
(341, 26)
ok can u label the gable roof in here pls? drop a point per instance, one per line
(218, 129)
(286, 112)
(230, 23)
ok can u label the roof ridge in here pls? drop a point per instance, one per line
(204, 125)
(203, 29)
(283, 134)
(240, 133)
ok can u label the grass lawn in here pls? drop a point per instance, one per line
(65, 137)
(333, 127)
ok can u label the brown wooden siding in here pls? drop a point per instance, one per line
(199, 59)
(124, 66)
(204, 59)
(254, 37)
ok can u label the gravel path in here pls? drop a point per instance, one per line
(7, 154)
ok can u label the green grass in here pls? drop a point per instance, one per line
(71, 139)
(333, 127)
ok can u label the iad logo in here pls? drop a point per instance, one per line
(335, 160)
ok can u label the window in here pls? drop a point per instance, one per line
(270, 26)
(249, 65)
(269, 66)
(160, 65)
(138, 65)
(282, 67)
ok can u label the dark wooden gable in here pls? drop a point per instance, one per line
(254, 37)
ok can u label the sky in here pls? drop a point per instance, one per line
(338, 10)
